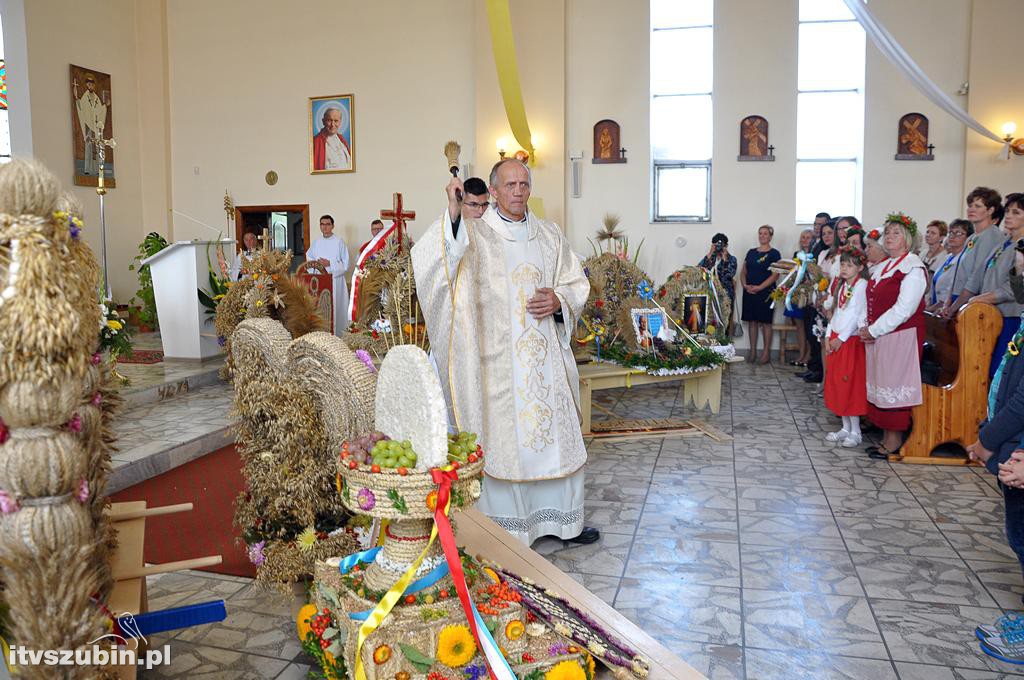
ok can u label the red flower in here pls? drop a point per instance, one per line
(599, 304)
(373, 334)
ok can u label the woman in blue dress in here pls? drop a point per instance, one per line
(758, 283)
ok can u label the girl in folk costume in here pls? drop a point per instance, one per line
(845, 382)
(894, 335)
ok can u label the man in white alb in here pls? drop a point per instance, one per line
(501, 296)
(332, 253)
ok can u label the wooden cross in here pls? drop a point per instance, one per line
(265, 239)
(398, 215)
(771, 150)
(931, 148)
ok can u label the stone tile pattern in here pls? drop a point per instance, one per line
(775, 555)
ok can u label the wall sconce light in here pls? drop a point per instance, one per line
(501, 143)
(1015, 145)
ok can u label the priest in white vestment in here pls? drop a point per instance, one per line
(332, 253)
(501, 296)
(250, 246)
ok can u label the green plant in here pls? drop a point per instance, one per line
(218, 288)
(144, 296)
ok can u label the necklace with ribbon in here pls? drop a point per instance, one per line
(892, 265)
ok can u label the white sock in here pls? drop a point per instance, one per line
(846, 423)
(854, 427)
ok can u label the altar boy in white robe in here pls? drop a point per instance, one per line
(332, 253)
(501, 296)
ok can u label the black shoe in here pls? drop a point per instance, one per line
(804, 374)
(586, 537)
(813, 378)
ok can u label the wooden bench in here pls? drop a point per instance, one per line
(783, 330)
(951, 412)
(703, 388)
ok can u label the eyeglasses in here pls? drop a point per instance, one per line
(474, 204)
(958, 234)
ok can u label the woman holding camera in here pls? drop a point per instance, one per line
(995, 287)
(720, 261)
(758, 283)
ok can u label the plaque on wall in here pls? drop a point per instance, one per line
(754, 140)
(607, 148)
(912, 140)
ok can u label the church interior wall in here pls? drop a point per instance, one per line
(99, 34)
(211, 96)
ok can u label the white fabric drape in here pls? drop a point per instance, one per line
(895, 53)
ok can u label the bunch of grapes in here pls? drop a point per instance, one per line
(393, 454)
(359, 448)
(461, 446)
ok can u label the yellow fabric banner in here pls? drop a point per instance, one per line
(508, 72)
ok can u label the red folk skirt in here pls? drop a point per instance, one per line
(846, 379)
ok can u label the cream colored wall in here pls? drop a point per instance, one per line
(240, 74)
(538, 27)
(98, 34)
(925, 190)
(996, 95)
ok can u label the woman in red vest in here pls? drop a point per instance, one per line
(894, 335)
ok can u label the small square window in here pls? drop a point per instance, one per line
(682, 192)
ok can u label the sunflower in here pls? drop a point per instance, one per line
(302, 620)
(307, 539)
(455, 646)
(566, 670)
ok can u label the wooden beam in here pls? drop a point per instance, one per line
(479, 535)
(180, 565)
(120, 514)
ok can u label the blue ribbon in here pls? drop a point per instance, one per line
(804, 258)
(485, 633)
(368, 556)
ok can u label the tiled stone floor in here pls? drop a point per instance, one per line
(776, 555)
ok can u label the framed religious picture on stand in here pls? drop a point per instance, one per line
(695, 308)
(607, 142)
(647, 323)
(332, 138)
(91, 123)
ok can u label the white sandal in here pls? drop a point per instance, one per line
(837, 436)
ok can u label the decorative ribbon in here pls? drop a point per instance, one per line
(435, 575)
(595, 333)
(715, 304)
(387, 603)
(495, 659)
(804, 259)
(504, 47)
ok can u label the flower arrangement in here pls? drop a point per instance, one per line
(114, 337)
(152, 244)
(901, 218)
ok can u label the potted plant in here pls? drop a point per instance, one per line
(145, 298)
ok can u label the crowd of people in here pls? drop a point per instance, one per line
(864, 336)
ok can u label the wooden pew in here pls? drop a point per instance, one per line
(951, 412)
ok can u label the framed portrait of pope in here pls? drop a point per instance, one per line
(332, 136)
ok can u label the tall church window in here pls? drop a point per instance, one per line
(830, 110)
(682, 56)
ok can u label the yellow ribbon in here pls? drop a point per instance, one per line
(388, 602)
(504, 47)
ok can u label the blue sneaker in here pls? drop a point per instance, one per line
(1004, 640)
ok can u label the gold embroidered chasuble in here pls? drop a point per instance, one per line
(506, 376)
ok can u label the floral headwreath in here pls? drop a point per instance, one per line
(854, 252)
(900, 218)
(874, 235)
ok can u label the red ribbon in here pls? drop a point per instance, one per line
(444, 479)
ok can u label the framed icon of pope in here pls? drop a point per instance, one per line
(332, 139)
(91, 123)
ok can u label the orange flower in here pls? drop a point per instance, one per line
(432, 501)
(514, 630)
(381, 654)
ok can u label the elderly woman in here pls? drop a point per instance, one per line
(949, 277)
(995, 283)
(933, 250)
(894, 335)
(874, 249)
(758, 283)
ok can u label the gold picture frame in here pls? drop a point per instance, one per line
(323, 161)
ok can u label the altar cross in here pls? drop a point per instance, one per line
(399, 215)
